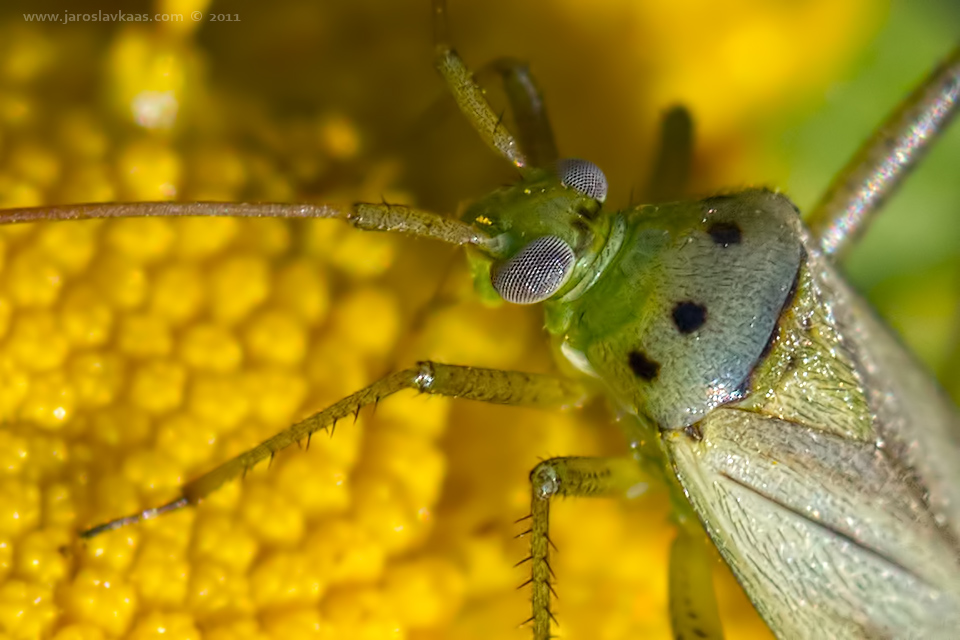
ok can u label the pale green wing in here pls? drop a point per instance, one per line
(917, 423)
(823, 533)
(835, 528)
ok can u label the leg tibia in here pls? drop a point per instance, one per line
(566, 477)
(473, 383)
(486, 385)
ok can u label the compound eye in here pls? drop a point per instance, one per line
(583, 176)
(536, 273)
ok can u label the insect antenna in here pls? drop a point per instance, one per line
(365, 216)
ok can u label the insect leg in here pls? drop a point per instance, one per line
(572, 476)
(369, 217)
(886, 158)
(486, 385)
(693, 602)
(671, 172)
(468, 94)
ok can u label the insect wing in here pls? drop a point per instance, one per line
(837, 515)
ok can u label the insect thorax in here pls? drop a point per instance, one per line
(687, 308)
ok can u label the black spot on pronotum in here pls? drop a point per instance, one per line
(689, 316)
(725, 233)
(642, 366)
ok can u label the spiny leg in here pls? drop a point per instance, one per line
(671, 171)
(468, 94)
(571, 476)
(881, 164)
(693, 601)
(486, 385)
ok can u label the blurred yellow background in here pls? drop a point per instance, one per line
(136, 354)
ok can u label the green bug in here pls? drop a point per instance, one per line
(668, 354)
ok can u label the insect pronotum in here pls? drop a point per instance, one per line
(688, 316)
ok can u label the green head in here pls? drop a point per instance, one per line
(547, 232)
